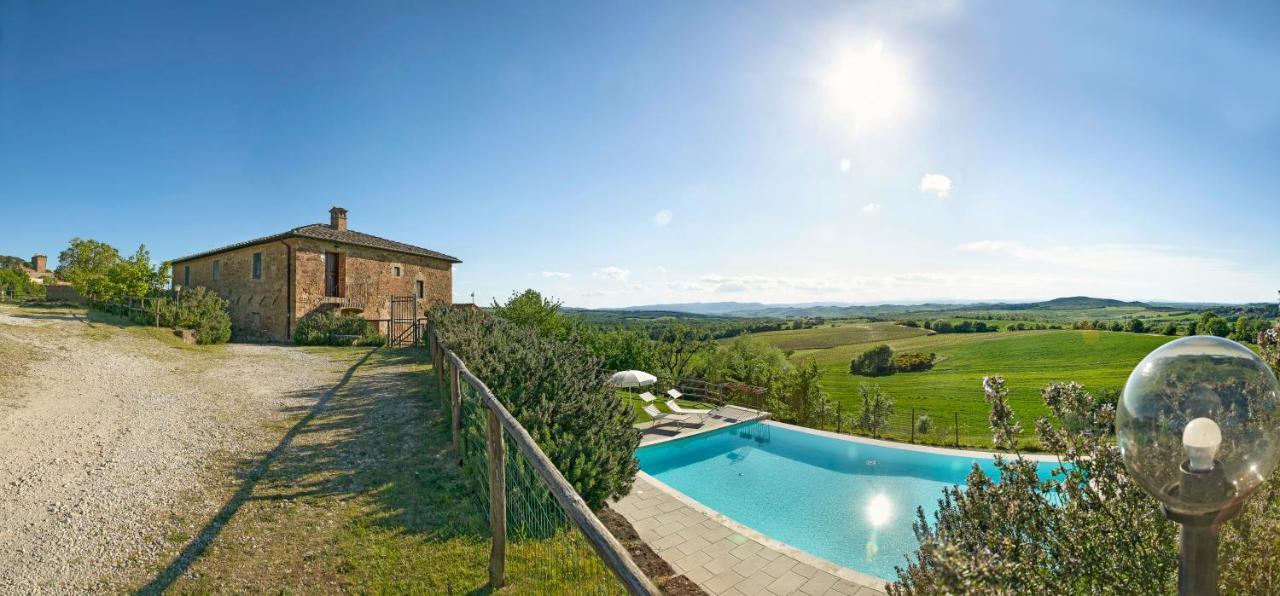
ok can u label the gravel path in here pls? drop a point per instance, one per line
(103, 430)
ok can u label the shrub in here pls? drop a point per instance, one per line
(555, 388)
(924, 424)
(1094, 530)
(913, 361)
(324, 328)
(876, 408)
(201, 311)
(876, 362)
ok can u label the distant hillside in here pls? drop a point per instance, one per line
(7, 262)
(838, 310)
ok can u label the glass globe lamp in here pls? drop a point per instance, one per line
(1197, 428)
(1197, 423)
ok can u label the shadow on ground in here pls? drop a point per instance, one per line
(359, 492)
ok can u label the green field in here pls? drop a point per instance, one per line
(1029, 360)
(839, 335)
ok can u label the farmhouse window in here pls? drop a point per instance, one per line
(421, 293)
(257, 265)
(186, 275)
(396, 270)
(217, 270)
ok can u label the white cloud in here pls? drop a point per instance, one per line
(845, 164)
(613, 273)
(871, 208)
(559, 274)
(937, 184)
(660, 269)
(662, 218)
(1140, 260)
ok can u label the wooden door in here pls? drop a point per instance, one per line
(331, 274)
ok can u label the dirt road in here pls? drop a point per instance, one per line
(106, 432)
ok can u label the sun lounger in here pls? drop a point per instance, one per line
(701, 414)
(648, 397)
(662, 417)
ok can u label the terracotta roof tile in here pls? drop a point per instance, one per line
(325, 232)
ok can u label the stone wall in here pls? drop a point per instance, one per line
(370, 278)
(259, 307)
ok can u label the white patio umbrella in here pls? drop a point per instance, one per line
(631, 378)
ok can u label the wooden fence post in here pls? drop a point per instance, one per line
(497, 503)
(913, 425)
(455, 400)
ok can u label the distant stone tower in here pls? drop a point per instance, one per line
(39, 263)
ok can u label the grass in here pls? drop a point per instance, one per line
(847, 333)
(1029, 360)
(360, 491)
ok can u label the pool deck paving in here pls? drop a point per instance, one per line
(717, 553)
(724, 557)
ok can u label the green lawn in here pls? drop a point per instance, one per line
(847, 333)
(1029, 360)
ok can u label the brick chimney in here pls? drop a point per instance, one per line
(338, 219)
(39, 262)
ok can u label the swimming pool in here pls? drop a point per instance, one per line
(846, 500)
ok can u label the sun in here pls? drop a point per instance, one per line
(866, 86)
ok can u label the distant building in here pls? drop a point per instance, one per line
(38, 269)
(273, 282)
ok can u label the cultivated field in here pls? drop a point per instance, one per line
(839, 335)
(1029, 360)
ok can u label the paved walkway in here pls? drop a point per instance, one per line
(724, 557)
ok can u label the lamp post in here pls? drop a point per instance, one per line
(1198, 426)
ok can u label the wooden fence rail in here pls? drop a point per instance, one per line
(503, 426)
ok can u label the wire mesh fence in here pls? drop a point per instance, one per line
(541, 545)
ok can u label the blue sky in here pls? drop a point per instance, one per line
(630, 153)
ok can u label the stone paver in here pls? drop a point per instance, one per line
(725, 559)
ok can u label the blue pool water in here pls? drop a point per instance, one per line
(846, 501)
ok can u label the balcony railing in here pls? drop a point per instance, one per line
(360, 295)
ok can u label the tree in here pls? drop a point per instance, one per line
(800, 398)
(876, 362)
(1212, 324)
(136, 277)
(1243, 329)
(748, 360)
(620, 349)
(1169, 329)
(876, 408)
(678, 344)
(1135, 326)
(85, 264)
(531, 309)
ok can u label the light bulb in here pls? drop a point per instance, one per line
(1201, 438)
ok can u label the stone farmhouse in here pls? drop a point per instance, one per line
(273, 282)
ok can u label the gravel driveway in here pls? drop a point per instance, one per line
(106, 432)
